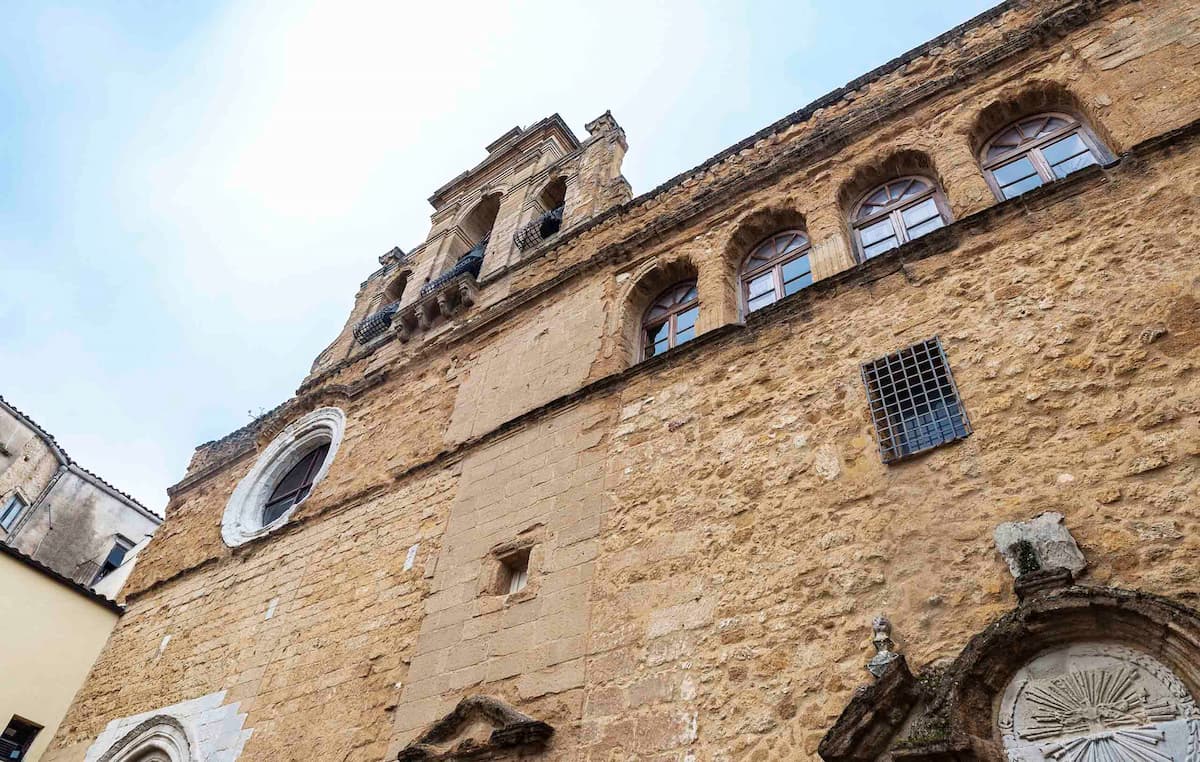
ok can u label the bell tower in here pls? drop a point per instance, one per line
(535, 185)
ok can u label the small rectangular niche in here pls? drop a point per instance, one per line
(514, 572)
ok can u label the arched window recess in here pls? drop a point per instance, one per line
(1037, 150)
(897, 212)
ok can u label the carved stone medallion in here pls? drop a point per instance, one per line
(1098, 703)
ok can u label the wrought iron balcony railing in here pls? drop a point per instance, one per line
(376, 323)
(539, 229)
(471, 262)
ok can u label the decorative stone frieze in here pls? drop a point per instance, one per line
(1078, 673)
(885, 652)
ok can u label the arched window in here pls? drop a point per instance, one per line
(295, 484)
(775, 268)
(897, 212)
(671, 319)
(1037, 150)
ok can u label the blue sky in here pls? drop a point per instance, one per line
(190, 194)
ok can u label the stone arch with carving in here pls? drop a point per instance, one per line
(161, 738)
(1140, 653)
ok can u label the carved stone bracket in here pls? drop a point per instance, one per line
(449, 299)
(450, 738)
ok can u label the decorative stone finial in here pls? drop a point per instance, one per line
(884, 646)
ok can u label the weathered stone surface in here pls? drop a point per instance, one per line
(715, 523)
(1051, 541)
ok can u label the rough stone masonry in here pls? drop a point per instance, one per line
(706, 536)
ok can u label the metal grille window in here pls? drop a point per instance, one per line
(914, 403)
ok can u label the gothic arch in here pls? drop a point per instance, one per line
(161, 738)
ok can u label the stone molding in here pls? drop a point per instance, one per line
(161, 738)
(203, 729)
(512, 733)
(450, 298)
(242, 520)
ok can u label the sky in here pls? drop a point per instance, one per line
(191, 193)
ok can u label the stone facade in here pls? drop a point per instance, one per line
(708, 534)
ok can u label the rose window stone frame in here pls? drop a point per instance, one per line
(243, 517)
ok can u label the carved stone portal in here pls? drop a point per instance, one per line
(1098, 703)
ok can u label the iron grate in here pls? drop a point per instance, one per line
(913, 400)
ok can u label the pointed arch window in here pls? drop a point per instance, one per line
(671, 319)
(775, 268)
(1037, 150)
(897, 212)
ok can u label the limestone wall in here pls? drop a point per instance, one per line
(713, 530)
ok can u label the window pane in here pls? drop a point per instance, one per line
(916, 231)
(656, 334)
(1014, 171)
(11, 512)
(761, 301)
(878, 238)
(918, 213)
(1074, 164)
(686, 319)
(1071, 145)
(877, 232)
(796, 268)
(792, 286)
(761, 285)
(684, 335)
(1024, 186)
(1068, 155)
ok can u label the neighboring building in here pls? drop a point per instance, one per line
(58, 513)
(592, 477)
(54, 628)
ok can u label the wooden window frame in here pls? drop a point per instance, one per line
(774, 265)
(1033, 149)
(670, 318)
(894, 212)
